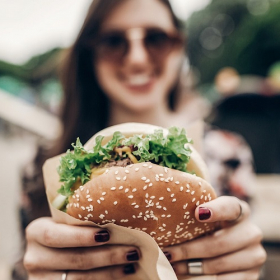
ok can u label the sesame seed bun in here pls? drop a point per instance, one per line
(155, 199)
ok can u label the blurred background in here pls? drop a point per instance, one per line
(234, 62)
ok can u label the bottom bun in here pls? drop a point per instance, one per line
(157, 200)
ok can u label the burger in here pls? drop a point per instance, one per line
(138, 176)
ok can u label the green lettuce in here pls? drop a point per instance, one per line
(169, 151)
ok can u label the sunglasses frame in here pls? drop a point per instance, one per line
(175, 40)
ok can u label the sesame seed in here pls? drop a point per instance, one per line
(106, 212)
(103, 193)
(136, 169)
(192, 193)
(90, 199)
(83, 208)
(197, 203)
(134, 190)
(164, 208)
(115, 202)
(136, 206)
(177, 182)
(161, 179)
(145, 165)
(124, 178)
(144, 178)
(199, 183)
(126, 190)
(161, 198)
(80, 216)
(98, 201)
(101, 216)
(165, 170)
(152, 197)
(188, 186)
(126, 171)
(87, 190)
(174, 199)
(181, 189)
(168, 190)
(116, 172)
(150, 166)
(193, 200)
(118, 178)
(113, 188)
(172, 195)
(150, 184)
(121, 187)
(130, 196)
(148, 181)
(145, 187)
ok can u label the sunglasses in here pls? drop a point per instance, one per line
(114, 45)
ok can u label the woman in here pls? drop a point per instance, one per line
(125, 66)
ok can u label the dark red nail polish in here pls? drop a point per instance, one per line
(168, 255)
(132, 256)
(204, 213)
(102, 236)
(129, 269)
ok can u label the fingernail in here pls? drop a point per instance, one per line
(168, 255)
(204, 213)
(132, 256)
(102, 236)
(129, 269)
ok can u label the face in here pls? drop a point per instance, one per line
(139, 81)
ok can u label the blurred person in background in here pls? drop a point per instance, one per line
(125, 66)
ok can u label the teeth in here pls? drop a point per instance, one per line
(138, 80)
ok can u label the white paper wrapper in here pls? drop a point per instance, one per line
(153, 263)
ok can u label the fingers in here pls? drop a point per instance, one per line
(224, 208)
(249, 259)
(118, 272)
(48, 233)
(221, 242)
(39, 258)
(252, 274)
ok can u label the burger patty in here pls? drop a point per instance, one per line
(122, 163)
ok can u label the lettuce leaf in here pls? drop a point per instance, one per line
(169, 151)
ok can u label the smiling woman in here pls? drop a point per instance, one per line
(125, 66)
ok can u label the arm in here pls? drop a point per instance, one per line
(233, 252)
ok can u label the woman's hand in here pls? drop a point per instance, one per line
(53, 249)
(233, 252)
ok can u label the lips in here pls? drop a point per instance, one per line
(138, 80)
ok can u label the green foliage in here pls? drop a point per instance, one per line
(250, 41)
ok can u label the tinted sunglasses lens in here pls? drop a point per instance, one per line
(112, 46)
(158, 43)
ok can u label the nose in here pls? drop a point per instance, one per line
(137, 53)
